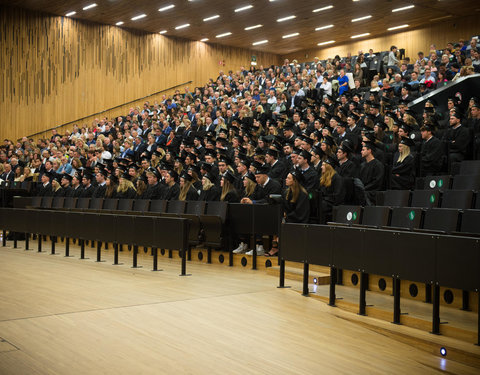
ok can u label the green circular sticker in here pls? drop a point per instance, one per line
(432, 198)
(440, 183)
(411, 215)
(354, 216)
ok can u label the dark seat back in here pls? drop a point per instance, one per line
(58, 202)
(110, 204)
(196, 207)
(125, 205)
(406, 217)
(437, 182)
(376, 216)
(217, 209)
(470, 222)
(159, 206)
(461, 199)
(347, 214)
(96, 203)
(83, 203)
(70, 203)
(176, 207)
(441, 219)
(466, 182)
(425, 198)
(470, 167)
(36, 202)
(47, 202)
(141, 205)
(396, 198)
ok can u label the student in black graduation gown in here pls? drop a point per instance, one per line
(173, 189)
(125, 189)
(101, 177)
(296, 205)
(76, 186)
(250, 187)
(65, 182)
(277, 168)
(371, 173)
(210, 192)
(155, 190)
(229, 193)
(142, 184)
(187, 191)
(457, 138)
(87, 185)
(403, 170)
(268, 186)
(346, 168)
(332, 189)
(57, 190)
(112, 184)
(45, 189)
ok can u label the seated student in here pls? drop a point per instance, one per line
(76, 186)
(173, 189)
(403, 171)
(155, 190)
(65, 182)
(187, 191)
(229, 193)
(250, 187)
(371, 173)
(112, 184)
(296, 205)
(346, 167)
(431, 153)
(457, 139)
(45, 189)
(141, 187)
(57, 190)
(210, 192)
(332, 189)
(125, 189)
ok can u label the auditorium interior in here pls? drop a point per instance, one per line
(254, 187)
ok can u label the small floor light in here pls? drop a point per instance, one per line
(314, 280)
(443, 351)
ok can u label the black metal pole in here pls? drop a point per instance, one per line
(135, 253)
(184, 262)
(254, 256)
(209, 255)
(465, 300)
(52, 239)
(305, 292)
(4, 238)
(333, 281)
(27, 241)
(67, 246)
(155, 259)
(339, 276)
(436, 310)
(428, 293)
(82, 249)
(93, 244)
(396, 301)
(99, 251)
(170, 254)
(230, 258)
(15, 240)
(106, 245)
(362, 308)
(281, 281)
(39, 243)
(115, 254)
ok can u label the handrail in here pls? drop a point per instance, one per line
(109, 109)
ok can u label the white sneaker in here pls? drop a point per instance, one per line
(260, 250)
(242, 248)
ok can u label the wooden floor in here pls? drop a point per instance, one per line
(68, 316)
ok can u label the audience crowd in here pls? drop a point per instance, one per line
(312, 133)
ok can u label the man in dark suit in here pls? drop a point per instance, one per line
(8, 174)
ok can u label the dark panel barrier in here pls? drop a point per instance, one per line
(319, 244)
(292, 245)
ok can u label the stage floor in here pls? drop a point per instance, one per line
(68, 316)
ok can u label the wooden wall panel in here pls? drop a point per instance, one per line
(55, 69)
(440, 33)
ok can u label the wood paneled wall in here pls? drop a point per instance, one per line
(450, 30)
(55, 69)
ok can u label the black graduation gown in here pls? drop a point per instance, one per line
(405, 171)
(232, 197)
(67, 191)
(45, 191)
(371, 174)
(99, 191)
(129, 194)
(432, 156)
(272, 187)
(310, 177)
(76, 193)
(277, 172)
(347, 169)
(332, 195)
(298, 212)
(256, 195)
(457, 141)
(87, 192)
(59, 192)
(155, 191)
(192, 194)
(172, 192)
(210, 195)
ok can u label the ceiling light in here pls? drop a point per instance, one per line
(253, 27)
(403, 8)
(361, 18)
(203, 40)
(359, 35)
(328, 42)
(182, 26)
(286, 18)
(322, 9)
(260, 42)
(119, 23)
(290, 35)
(167, 7)
(397, 27)
(224, 34)
(70, 14)
(243, 8)
(323, 27)
(90, 6)
(211, 18)
(162, 32)
(139, 16)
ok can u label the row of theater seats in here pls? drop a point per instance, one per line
(206, 218)
(447, 182)
(431, 220)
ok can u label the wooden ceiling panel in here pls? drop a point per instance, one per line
(263, 12)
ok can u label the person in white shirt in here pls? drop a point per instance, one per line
(326, 86)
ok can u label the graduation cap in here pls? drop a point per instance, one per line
(318, 151)
(370, 145)
(186, 176)
(354, 117)
(195, 169)
(205, 166)
(308, 140)
(229, 177)
(157, 153)
(306, 155)
(381, 125)
(143, 178)
(262, 169)
(328, 140)
(66, 176)
(272, 152)
(343, 124)
(297, 175)
(173, 174)
(429, 110)
(250, 176)
(407, 142)
(210, 177)
(456, 114)
(345, 147)
(125, 176)
(289, 125)
(375, 106)
(224, 158)
(154, 172)
(406, 128)
(211, 153)
(332, 161)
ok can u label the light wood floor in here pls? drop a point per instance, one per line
(67, 316)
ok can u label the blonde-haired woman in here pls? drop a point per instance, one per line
(403, 170)
(187, 191)
(125, 189)
(331, 187)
